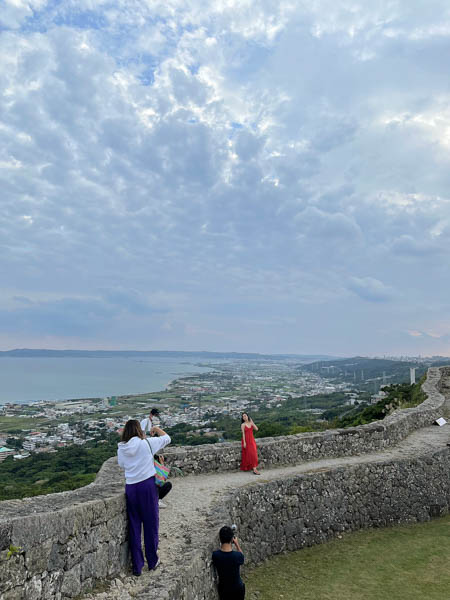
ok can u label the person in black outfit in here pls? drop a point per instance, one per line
(227, 563)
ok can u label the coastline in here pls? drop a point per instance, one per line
(100, 379)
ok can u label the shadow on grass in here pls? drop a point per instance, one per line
(408, 562)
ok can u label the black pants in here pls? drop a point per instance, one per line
(164, 489)
(236, 594)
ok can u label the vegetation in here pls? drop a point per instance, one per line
(401, 395)
(66, 469)
(291, 417)
(72, 467)
(185, 434)
(17, 424)
(358, 369)
(12, 551)
(403, 563)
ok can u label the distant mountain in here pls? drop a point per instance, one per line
(45, 353)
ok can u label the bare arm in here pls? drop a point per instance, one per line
(254, 426)
(157, 430)
(158, 442)
(236, 543)
(243, 435)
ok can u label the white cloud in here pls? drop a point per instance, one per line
(242, 160)
(14, 12)
(370, 289)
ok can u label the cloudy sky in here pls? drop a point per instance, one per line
(248, 175)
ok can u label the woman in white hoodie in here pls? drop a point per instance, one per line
(135, 455)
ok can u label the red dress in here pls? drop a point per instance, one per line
(249, 459)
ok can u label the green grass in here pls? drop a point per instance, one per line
(8, 424)
(410, 562)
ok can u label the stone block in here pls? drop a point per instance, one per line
(100, 561)
(51, 585)
(5, 535)
(12, 571)
(57, 559)
(33, 588)
(36, 558)
(32, 530)
(71, 583)
(17, 593)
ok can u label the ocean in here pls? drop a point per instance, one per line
(24, 380)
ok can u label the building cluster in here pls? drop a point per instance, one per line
(53, 433)
(230, 389)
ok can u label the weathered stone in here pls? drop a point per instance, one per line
(17, 593)
(33, 588)
(5, 535)
(51, 585)
(71, 584)
(57, 558)
(12, 571)
(36, 558)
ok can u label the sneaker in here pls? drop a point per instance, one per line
(162, 504)
(158, 562)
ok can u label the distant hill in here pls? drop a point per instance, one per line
(362, 369)
(46, 353)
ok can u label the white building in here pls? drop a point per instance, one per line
(5, 452)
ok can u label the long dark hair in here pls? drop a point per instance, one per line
(242, 417)
(132, 428)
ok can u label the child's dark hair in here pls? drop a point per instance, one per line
(226, 534)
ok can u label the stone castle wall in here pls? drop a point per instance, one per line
(304, 510)
(293, 449)
(69, 541)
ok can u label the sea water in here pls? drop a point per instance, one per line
(25, 380)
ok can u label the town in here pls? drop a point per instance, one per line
(194, 403)
(196, 400)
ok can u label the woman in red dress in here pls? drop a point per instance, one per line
(249, 460)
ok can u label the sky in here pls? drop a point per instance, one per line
(239, 175)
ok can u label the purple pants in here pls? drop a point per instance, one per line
(142, 508)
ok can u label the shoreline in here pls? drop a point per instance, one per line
(163, 389)
(207, 369)
(92, 398)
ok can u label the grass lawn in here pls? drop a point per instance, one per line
(410, 562)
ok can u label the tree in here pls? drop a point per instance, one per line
(13, 442)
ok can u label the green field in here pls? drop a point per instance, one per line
(14, 424)
(410, 562)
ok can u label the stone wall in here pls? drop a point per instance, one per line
(292, 449)
(303, 510)
(312, 508)
(67, 542)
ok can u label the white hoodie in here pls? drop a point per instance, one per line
(136, 458)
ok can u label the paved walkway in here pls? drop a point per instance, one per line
(185, 521)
